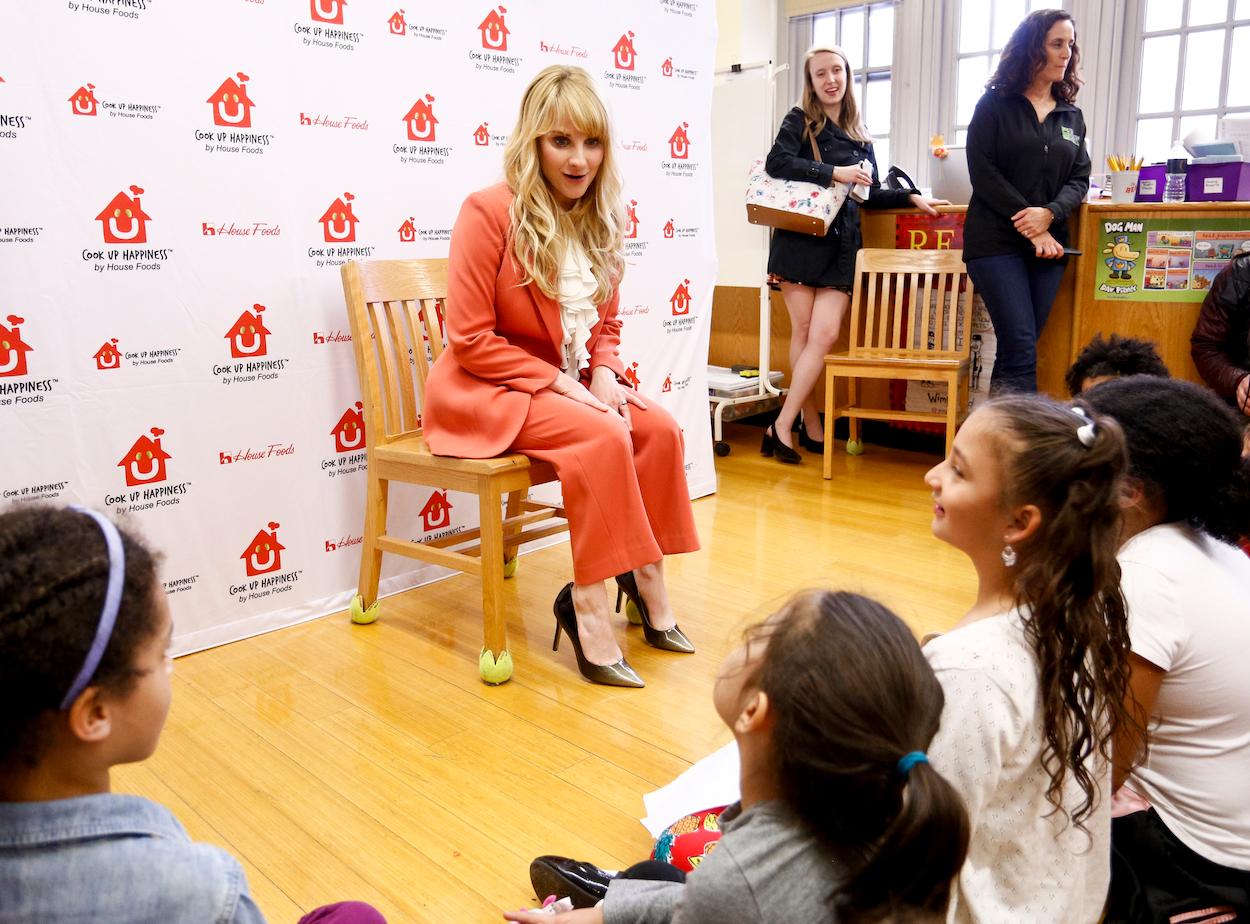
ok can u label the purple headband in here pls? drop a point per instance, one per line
(108, 616)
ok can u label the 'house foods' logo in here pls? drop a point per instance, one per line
(494, 31)
(144, 462)
(679, 143)
(13, 348)
(327, 10)
(83, 102)
(481, 137)
(339, 222)
(420, 120)
(247, 334)
(631, 219)
(681, 300)
(108, 356)
(397, 24)
(232, 107)
(623, 53)
(123, 220)
(349, 432)
(436, 513)
(264, 553)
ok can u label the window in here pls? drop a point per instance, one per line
(866, 34)
(1195, 68)
(984, 28)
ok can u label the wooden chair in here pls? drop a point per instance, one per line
(393, 307)
(911, 312)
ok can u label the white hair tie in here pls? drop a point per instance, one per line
(1085, 433)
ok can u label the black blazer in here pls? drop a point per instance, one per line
(829, 260)
(1015, 162)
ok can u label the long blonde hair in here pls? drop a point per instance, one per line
(562, 95)
(848, 115)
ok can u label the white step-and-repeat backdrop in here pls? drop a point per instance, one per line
(182, 182)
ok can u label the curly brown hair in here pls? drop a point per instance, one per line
(1067, 581)
(1025, 52)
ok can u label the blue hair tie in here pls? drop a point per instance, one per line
(108, 615)
(907, 761)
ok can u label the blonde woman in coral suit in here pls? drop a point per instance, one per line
(533, 366)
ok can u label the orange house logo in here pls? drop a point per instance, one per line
(668, 383)
(327, 10)
(681, 299)
(631, 219)
(397, 24)
(264, 553)
(679, 143)
(349, 432)
(108, 356)
(83, 102)
(669, 228)
(437, 512)
(408, 232)
(420, 120)
(481, 137)
(631, 375)
(667, 67)
(124, 220)
(144, 462)
(623, 53)
(13, 348)
(494, 30)
(339, 222)
(247, 334)
(232, 107)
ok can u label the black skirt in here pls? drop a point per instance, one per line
(820, 262)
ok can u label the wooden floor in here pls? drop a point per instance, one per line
(341, 762)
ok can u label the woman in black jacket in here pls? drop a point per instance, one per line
(1030, 170)
(816, 273)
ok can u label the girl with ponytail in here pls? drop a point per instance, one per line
(842, 817)
(1036, 672)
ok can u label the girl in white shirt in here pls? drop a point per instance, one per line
(1187, 501)
(1034, 674)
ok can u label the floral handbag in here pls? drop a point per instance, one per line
(793, 205)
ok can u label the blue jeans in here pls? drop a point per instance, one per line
(1018, 291)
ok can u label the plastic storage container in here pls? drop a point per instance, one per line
(1228, 182)
(1150, 183)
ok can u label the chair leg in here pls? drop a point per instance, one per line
(953, 393)
(495, 663)
(364, 608)
(853, 445)
(830, 411)
(510, 547)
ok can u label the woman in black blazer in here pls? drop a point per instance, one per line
(816, 273)
(1030, 170)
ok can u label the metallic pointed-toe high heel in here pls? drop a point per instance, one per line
(619, 674)
(665, 639)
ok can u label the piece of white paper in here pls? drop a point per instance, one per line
(710, 782)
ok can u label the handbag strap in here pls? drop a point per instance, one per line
(815, 150)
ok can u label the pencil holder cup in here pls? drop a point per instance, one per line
(1123, 186)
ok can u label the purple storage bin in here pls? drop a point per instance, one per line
(1218, 183)
(1150, 182)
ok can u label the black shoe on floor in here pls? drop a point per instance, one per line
(584, 883)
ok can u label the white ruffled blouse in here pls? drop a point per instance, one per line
(578, 311)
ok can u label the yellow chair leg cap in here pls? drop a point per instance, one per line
(360, 615)
(854, 448)
(495, 671)
(510, 566)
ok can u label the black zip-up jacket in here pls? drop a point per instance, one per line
(1220, 344)
(1016, 162)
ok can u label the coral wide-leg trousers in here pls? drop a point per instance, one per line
(624, 490)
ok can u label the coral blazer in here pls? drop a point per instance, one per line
(504, 338)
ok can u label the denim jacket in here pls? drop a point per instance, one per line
(107, 858)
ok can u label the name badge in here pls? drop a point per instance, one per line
(1069, 135)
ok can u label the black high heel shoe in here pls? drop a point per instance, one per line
(776, 448)
(619, 674)
(811, 445)
(665, 639)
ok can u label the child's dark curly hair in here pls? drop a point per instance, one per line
(54, 568)
(1112, 357)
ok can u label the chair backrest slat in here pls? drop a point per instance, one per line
(916, 302)
(391, 307)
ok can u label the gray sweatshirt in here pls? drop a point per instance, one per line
(765, 868)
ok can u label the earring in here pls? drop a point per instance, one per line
(1009, 556)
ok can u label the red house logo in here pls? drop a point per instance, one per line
(327, 10)
(13, 348)
(667, 67)
(108, 356)
(407, 232)
(420, 120)
(623, 53)
(437, 511)
(668, 383)
(247, 334)
(669, 227)
(124, 220)
(264, 553)
(631, 375)
(232, 107)
(631, 219)
(679, 143)
(83, 102)
(681, 299)
(494, 31)
(397, 24)
(481, 137)
(144, 462)
(339, 222)
(349, 432)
